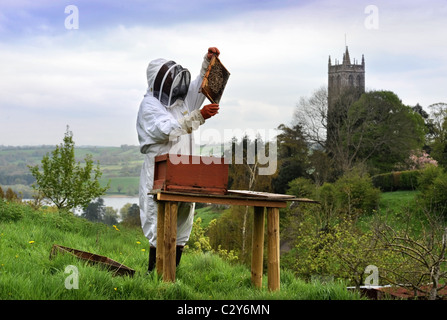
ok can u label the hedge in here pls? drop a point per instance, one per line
(398, 180)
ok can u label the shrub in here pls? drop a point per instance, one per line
(356, 194)
(409, 180)
(342, 251)
(11, 211)
(427, 177)
(301, 187)
(433, 186)
(398, 180)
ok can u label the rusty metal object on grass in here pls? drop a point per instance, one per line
(116, 267)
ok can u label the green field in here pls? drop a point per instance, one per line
(122, 185)
(207, 214)
(27, 272)
(395, 201)
(119, 165)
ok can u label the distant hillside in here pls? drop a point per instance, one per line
(121, 165)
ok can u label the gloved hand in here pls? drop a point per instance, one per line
(209, 110)
(211, 51)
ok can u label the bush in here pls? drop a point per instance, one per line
(11, 211)
(356, 194)
(433, 186)
(302, 188)
(428, 176)
(341, 252)
(398, 180)
(352, 194)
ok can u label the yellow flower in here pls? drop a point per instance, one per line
(138, 242)
(115, 289)
(143, 250)
(31, 242)
(116, 228)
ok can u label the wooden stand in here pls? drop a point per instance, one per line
(167, 229)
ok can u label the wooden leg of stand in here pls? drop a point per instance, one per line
(257, 256)
(160, 236)
(273, 248)
(170, 240)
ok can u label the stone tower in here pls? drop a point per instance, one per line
(343, 78)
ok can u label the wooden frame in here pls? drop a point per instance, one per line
(215, 80)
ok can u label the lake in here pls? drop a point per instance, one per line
(116, 202)
(119, 202)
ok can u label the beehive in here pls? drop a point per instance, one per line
(196, 174)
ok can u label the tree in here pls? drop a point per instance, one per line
(95, 211)
(421, 245)
(110, 216)
(246, 175)
(65, 182)
(311, 115)
(11, 196)
(432, 187)
(438, 132)
(245, 165)
(382, 131)
(292, 157)
(375, 129)
(130, 214)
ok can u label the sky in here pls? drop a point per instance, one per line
(83, 63)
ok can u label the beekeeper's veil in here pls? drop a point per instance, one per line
(168, 81)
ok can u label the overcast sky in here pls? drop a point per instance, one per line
(92, 76)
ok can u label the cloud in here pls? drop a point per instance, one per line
(94, 78)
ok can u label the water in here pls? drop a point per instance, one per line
(118, 202)
(115, 202)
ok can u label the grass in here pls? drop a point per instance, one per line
(396, 201)
(127, 185)
(207, 214)
(27, 272)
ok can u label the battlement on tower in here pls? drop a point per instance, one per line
(345, 75)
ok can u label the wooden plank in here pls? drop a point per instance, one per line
(273, 248)
(160, 236)
(238, 201)
(170, 239)
(268, 195)
(257, 247)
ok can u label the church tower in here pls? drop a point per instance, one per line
(342, 78)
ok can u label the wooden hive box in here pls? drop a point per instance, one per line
(194, 174)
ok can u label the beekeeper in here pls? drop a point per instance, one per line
(169, 112)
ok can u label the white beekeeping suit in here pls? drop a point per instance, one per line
(167, 115)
